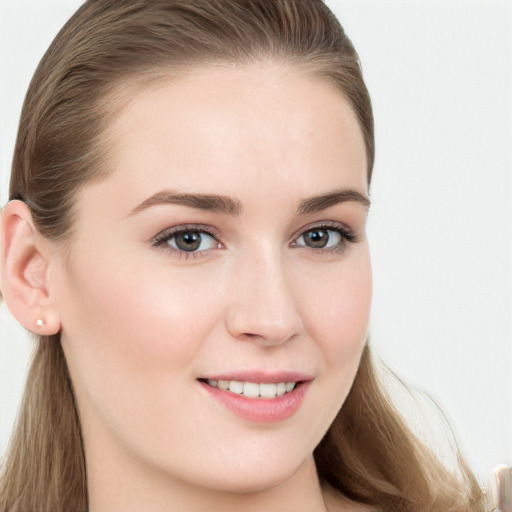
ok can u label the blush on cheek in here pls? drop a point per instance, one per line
(167, 327)
(346, 320)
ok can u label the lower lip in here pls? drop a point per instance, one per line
(261, 410)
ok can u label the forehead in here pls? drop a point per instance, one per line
(235, 130)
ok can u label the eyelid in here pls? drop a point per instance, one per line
(345, 230)
(183, 228)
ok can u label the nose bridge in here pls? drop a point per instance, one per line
(264, 305)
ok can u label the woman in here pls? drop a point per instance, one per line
(186, 236)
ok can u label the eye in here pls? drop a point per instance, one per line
(192, 241)
(325, 238)
(187, 240)
(321, 238)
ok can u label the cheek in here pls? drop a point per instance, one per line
(136, 359)
(339, 312)
(337, 320)
(128, 322)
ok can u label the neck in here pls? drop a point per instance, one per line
(131, 490)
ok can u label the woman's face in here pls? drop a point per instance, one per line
(227, 247)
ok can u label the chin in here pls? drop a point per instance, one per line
(260, 477)
(250, 484)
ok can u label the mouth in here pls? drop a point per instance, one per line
(268, 390)
(261, 399)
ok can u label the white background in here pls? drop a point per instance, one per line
(439, 73)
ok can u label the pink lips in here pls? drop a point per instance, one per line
(261, 410)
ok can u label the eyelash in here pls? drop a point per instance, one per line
(347, 237)
(163, 238)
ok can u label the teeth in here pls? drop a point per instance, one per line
(253, 389)
(236, 386)
(268, 390)
(281, 389)
(223, 384)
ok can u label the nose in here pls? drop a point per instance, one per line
(263, 308)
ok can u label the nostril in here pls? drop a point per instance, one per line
(250, 335)
(267, 339)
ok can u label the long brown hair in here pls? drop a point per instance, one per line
(107, 50)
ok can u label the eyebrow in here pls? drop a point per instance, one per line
(209, 202)
(324, 201)
(226, 205)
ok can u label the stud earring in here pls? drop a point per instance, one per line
(39, 322)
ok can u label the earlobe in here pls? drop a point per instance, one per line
(24, 271)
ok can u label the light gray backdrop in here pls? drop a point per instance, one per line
(441, 222)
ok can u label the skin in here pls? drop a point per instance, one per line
(141, 321)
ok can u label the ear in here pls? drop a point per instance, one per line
(24, 263)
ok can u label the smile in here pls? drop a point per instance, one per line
(254, 389)
(261, 402)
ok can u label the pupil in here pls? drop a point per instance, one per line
(317, 238)
(188, 241)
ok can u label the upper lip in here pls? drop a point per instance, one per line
(262, 376)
